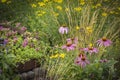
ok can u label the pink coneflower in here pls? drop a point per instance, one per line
(104, 42)
(103, 60)
(63, 29)
(73, 40)
(25, 43)
(81, 60)
(90, 50)
(69, 46)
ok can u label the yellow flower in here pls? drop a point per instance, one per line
(54, 56)
(45, 0)
(58, 1)
(43, 12)
(104, 14)
(98, 5)
(90, 45)
(59, 7)
(82, 2)
(89, 29)
(118, 8)
(112, 12)
(41, 4)
(3, 1)
(78, 9)
(66, 9)
(77, 27)
(55, 14)
(62, 55)
(33, 5)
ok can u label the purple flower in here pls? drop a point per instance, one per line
(6, 41)
(104, 42)
(103, 61)
(15, 39)
(63, 29)
(73, 40)
(90, 50)
(23, 29)
(1, 27)
(25, 43)
(69, 46)
(81, 60)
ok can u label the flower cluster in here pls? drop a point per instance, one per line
(71, 44)
(61, 55)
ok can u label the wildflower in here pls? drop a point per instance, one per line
(55, 14)
(90, 50)
(3, 1)
(45, 0)
(62, 55)
(25, 42)
(104, 14)
(63, 29)
(112, 12)
(34, 5)
(54, 56)
(89, 29)
(77, 27)
(78, 9)
(59, 7)
(23, 29)
(58, 1)
(73, 40)
(103, 60)
(6, 41)
(81, 60)
(15, 39)
(82, 2)
(98, 5)
(69, 46)
(41, 4)
(1, 27)
(66, 9)
(118, 8)
(104, 42)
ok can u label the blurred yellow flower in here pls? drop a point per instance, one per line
(66, 9)
(104, 14)
(40, 13)
(55, 14)
(34, 5)
(59, 7)
(45, 0)
(58, 1)
(89, 29)
(77, 27)
(90, 45)
(98, 5)
(41, 4)
(78, 9)
(112, 12)
(54, 56)
(82, 2)
(3, 1)
(62, 55)
(118, 8)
